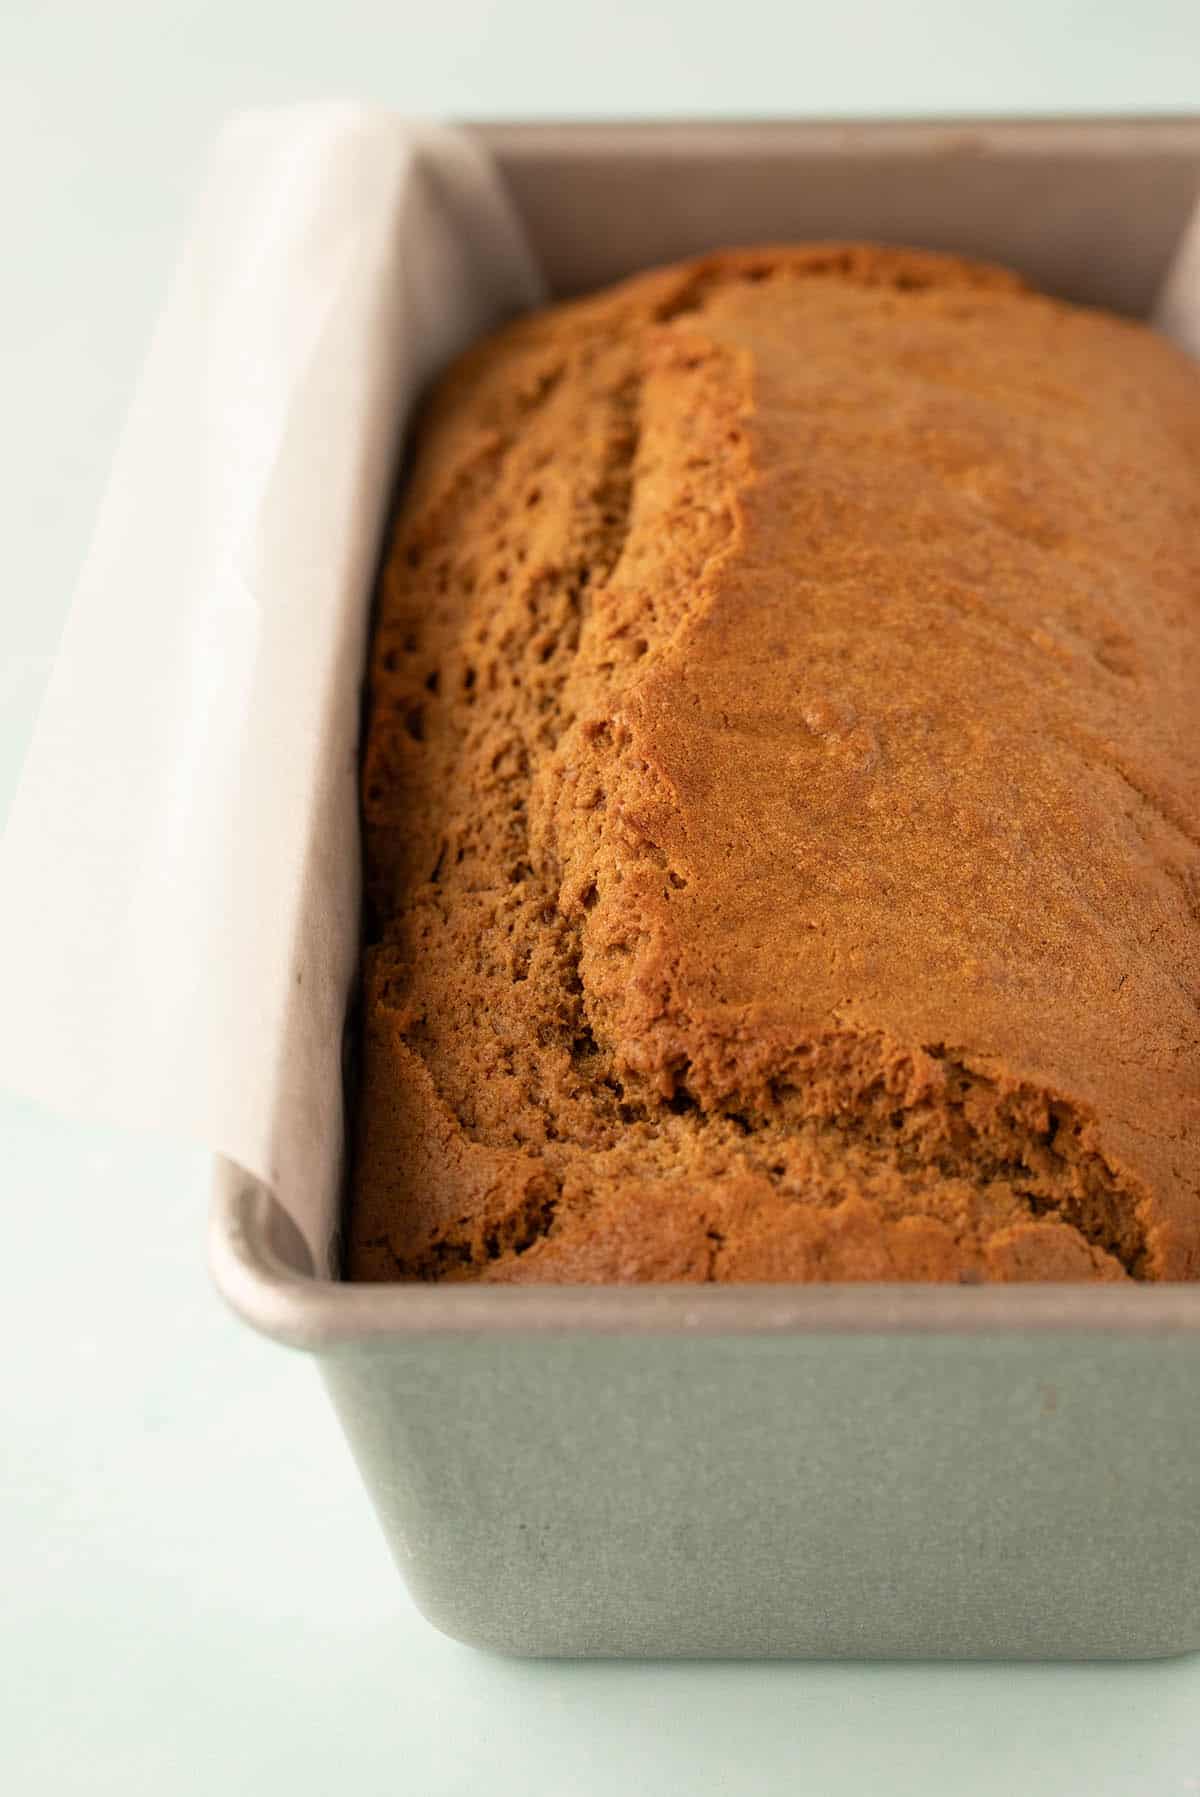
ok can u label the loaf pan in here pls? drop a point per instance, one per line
(873, 1471)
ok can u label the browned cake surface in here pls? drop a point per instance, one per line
(781, 792)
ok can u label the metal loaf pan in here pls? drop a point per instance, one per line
(857, 1470)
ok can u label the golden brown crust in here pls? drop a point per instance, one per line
(782, 842)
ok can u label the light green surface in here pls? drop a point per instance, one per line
(194, 1596)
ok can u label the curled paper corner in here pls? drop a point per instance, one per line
(1177, 309)
(179, 876)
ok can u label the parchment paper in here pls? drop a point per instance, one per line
(190, 788)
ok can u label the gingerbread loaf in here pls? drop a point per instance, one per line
(780, 792)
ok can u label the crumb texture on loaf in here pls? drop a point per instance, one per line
(780, 791)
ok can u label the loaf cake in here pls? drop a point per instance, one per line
(782, 846)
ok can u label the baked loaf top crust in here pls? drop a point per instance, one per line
(780, 791)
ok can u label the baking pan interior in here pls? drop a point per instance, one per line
(1097, 212)
(1091, 211)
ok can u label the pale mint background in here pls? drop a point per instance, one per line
(193, 1596)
